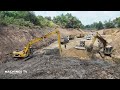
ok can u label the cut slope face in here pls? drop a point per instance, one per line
(116, 44)
(66, 32)
(12, 38)
(113, 37)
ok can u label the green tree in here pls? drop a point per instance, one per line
(43, 22)
(109, 24)
(99, 25)
(10, 17)
(48, 18)
(117, 22)
(67, 21)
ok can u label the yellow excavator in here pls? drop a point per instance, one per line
(26, 52)
(103, 45)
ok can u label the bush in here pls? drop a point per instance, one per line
(21, 18)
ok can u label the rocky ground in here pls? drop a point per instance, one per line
(55, 67)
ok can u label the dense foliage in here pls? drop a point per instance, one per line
(107, 24)
(67, 21)
(29, 19)
(24, 18)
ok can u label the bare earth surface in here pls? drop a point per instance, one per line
(74, 64)
(52, 66)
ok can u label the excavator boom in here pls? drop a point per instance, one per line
(107, 49)
(97, 36)
(26, 51)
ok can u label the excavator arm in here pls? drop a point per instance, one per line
(97, 36)
(106, 49)
(26, 51)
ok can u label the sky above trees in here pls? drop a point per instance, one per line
(86, 17)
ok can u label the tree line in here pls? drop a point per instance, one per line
(106, 25)
(29, 19)
(67, 21)
(24, 18)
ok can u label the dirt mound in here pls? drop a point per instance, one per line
(110, 31)
(72, 52)
(116, 43)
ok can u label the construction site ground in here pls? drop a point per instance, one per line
(73, 64)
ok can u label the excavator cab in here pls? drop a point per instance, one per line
(108, 50)
(17, 54)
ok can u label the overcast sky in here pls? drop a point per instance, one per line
(86, 17)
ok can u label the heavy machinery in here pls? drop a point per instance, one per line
(26, 52)
(80, 35)
(88, 38)
(71, 37)
(81, 46)
(103, 46)
(64, 40)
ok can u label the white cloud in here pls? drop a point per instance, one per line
(86, 17)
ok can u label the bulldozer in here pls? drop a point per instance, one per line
(104, 48)
(27, 51)
(81, 46)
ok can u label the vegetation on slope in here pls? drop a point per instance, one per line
(29, 19)
(106, 25)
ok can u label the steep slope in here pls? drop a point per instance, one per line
(12, 38)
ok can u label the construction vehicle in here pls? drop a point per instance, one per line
(104, 48)
(80, 35)
(81, 46)
(71, 37)
(27, 51)
(64, 40)
(88, 38)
